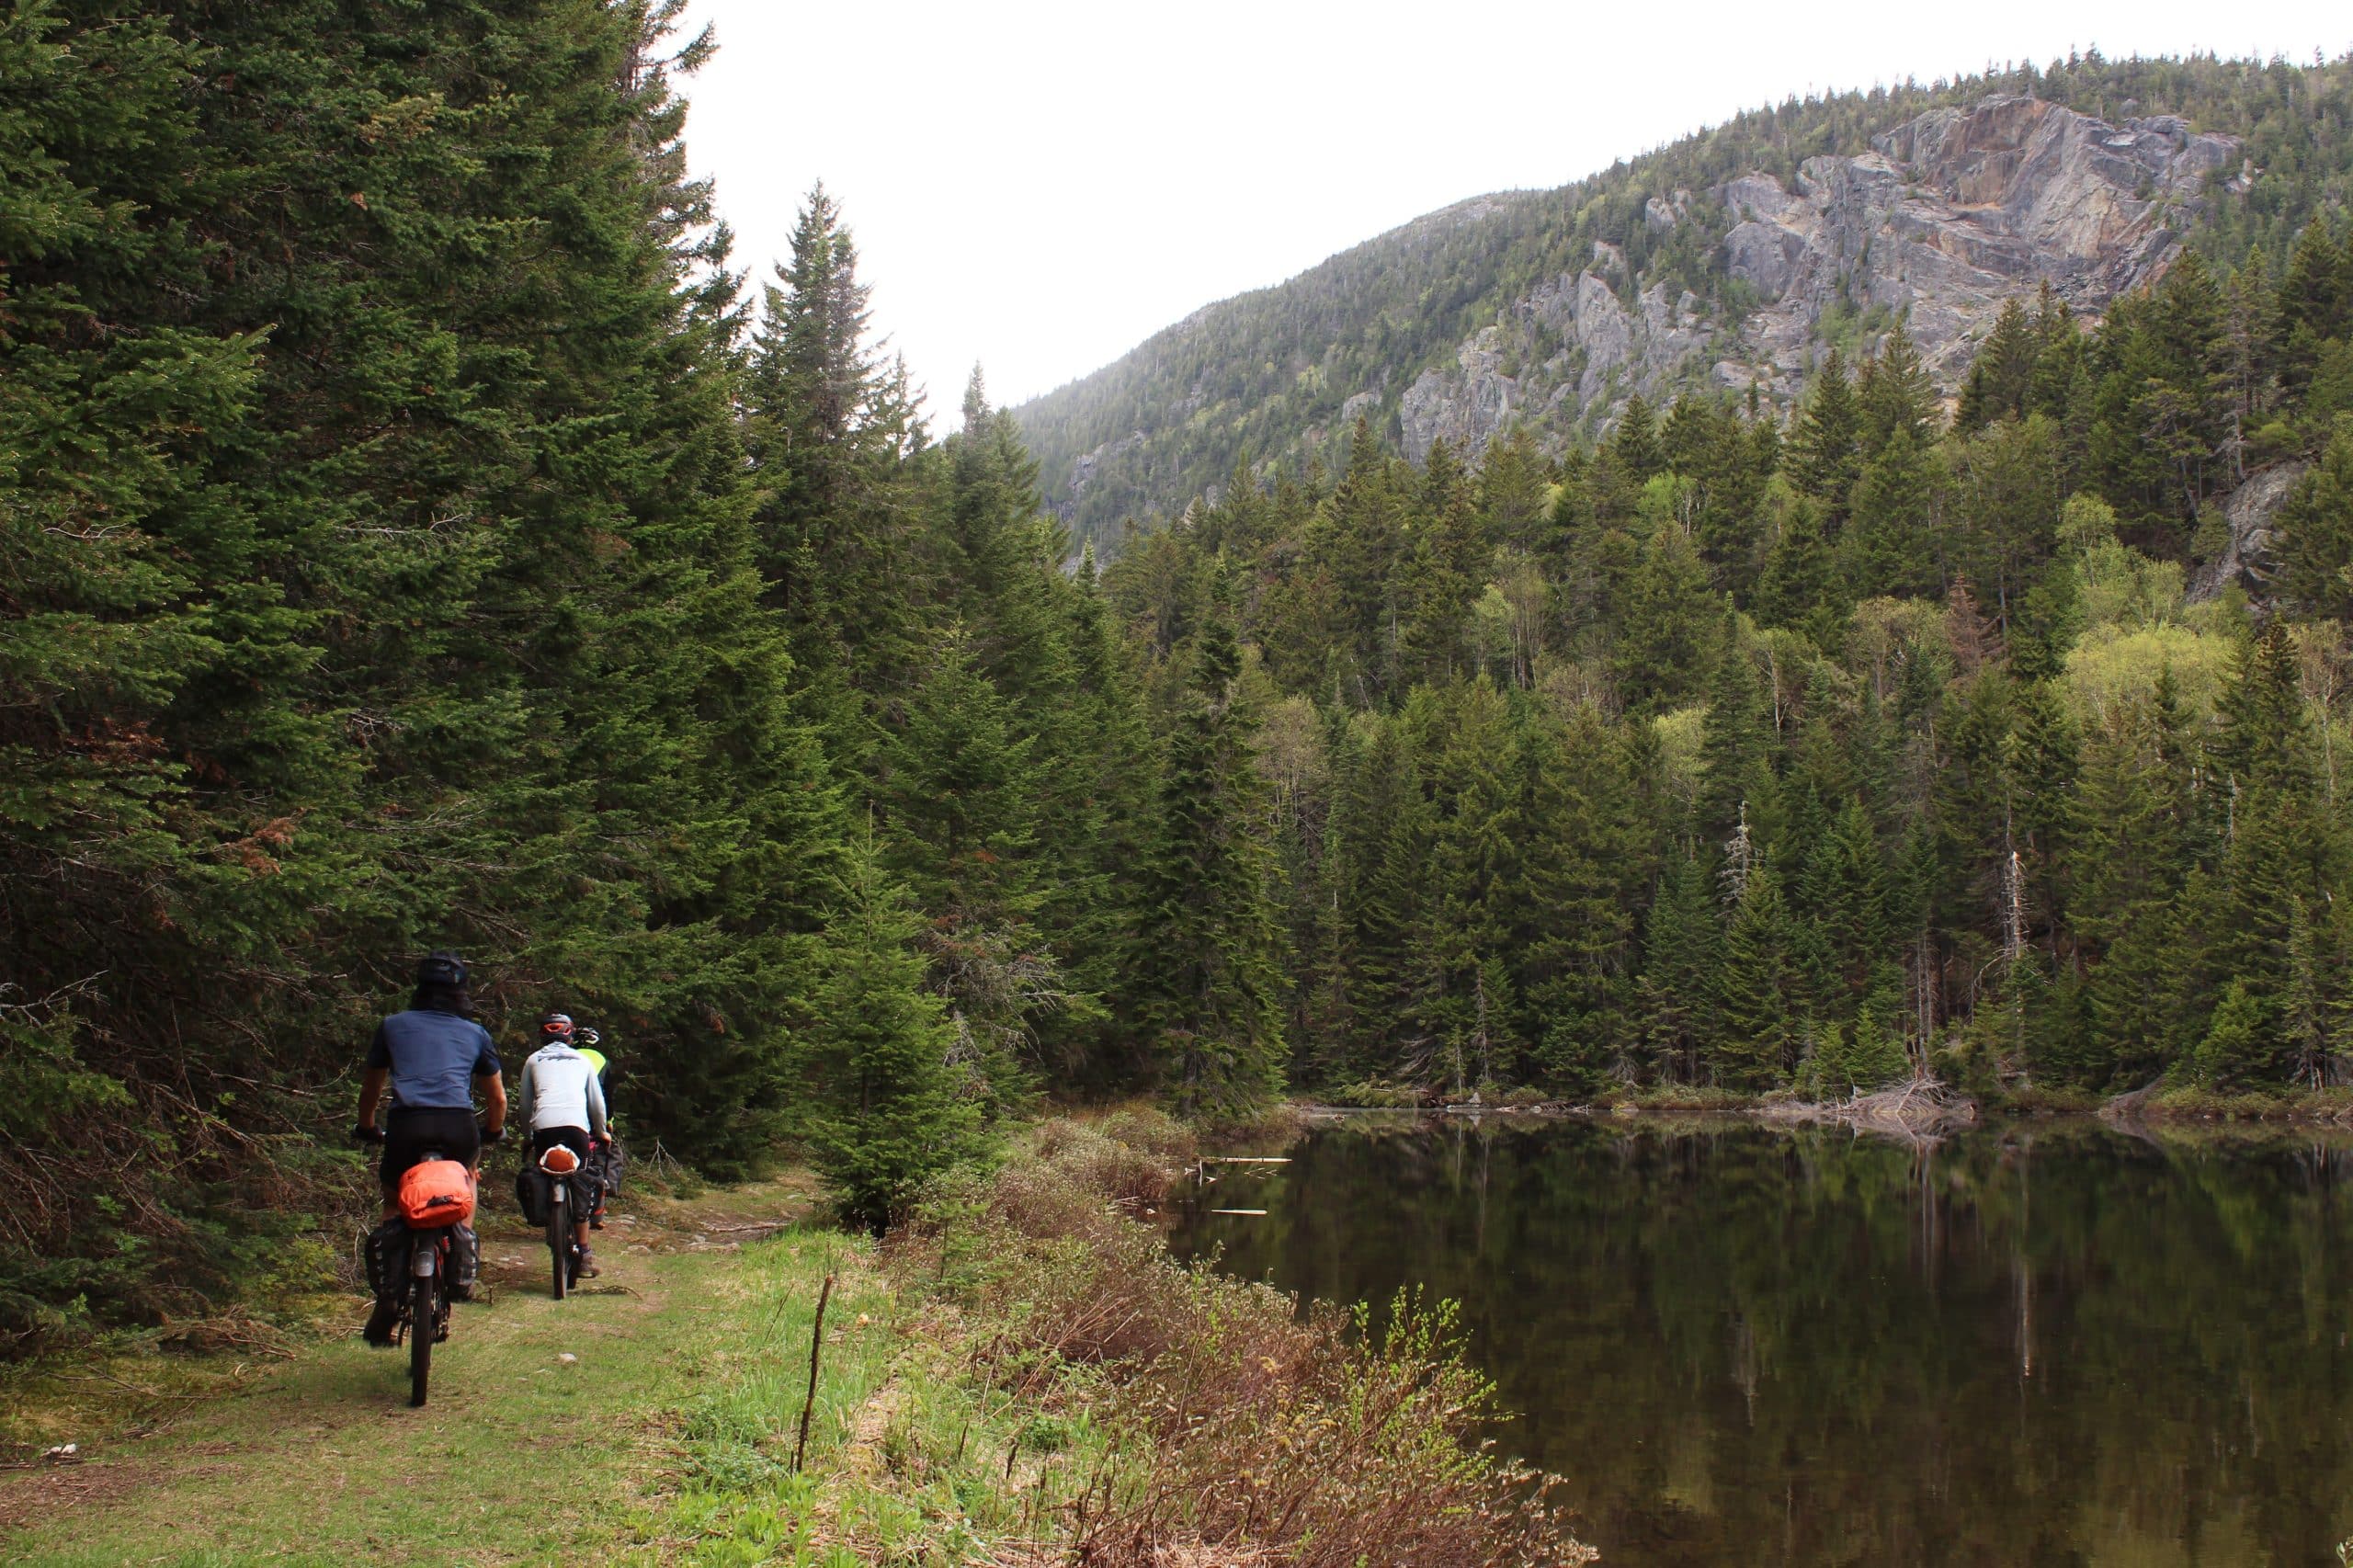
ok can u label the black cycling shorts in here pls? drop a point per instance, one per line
(573, 1138)
(411, 1132)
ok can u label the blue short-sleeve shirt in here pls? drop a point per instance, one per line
(434, 1058)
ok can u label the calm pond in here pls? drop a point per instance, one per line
(2041, 1342)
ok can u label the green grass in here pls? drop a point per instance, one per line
(668, 1439)
(519, 1457)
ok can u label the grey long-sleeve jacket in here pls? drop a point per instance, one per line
(560, 1089)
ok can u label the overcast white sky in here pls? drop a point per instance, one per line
(1040, 185)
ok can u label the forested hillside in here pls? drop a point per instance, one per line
(418, 536)
(1740, 756)
(415, 538)
(1732, 258)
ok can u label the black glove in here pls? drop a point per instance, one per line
(363, 1133)
(492, 1134)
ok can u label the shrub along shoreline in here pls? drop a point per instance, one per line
(1233, 1422)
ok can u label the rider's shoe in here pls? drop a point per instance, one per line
(381, 1324)
(588, 1269)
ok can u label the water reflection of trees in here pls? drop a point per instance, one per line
(2049, 1343)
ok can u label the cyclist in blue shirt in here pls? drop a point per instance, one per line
(434, 1058)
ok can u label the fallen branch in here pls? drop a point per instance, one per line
(1918, 1108)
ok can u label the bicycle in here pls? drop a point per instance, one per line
(425, 1303)
(560, 1167)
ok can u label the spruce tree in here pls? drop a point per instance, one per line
(1585, 853)
(827, 427)
(1207, 963)
(1757, 1009)
(1442, 571)
(1896, 398)
(1389, 828)
(2131, 863)
(1634, 450)
(2278, 850)
(1095, 821)
(2239, 1049)
(1887, 549)
(893, 1107)
(2251, 334)
(2000, 379)
(1681, 962)
(1736, 752)
(2313, 306)
(398, 528)
(2315, 534)
(1512, 494)
(960, 796)
(1798, 580)
(1825, 448)
(1465, 997)
(1668, 628)
(1354, 545)
(1842, 893)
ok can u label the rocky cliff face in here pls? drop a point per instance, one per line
(1943, 219)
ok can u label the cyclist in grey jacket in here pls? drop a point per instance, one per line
(561, 1101)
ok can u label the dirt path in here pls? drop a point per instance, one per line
(549, 1422)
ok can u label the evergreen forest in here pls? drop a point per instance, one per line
(421, 531)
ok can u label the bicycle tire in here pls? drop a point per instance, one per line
(559, 1240)
(424, 1322)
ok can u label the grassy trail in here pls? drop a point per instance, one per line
(690, 1363)
(1027, 1373)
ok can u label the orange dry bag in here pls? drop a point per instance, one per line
(437, 1192)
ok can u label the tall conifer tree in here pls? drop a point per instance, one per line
(1207, 964)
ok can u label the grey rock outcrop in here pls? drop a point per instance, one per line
(1082, 474)
(1957, 210)
(1935, 222)
(1941, 221)
(1600, 352)
(2249, 559)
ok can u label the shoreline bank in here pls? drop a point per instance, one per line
(1904, 1108)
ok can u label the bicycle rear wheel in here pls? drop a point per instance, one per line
(559, 1237)
(424, 1324)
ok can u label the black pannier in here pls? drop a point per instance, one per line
(531, 1194)
(388, 1259)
